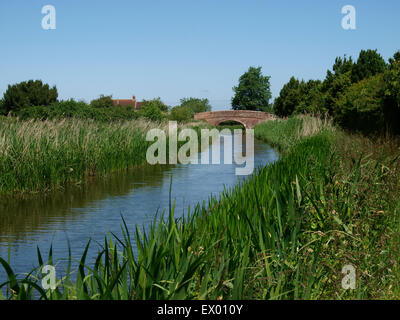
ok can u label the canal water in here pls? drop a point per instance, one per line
(91, 210)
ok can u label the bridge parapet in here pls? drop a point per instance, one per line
(249, 119)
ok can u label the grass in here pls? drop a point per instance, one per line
(37, 156)
(285, 233)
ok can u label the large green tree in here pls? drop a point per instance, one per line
(336, 82)
(253, 91)
(369, 63)
(289, 98)
(28, 93)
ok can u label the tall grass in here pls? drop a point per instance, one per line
(285, 233)
(41, 155)
(38, 155)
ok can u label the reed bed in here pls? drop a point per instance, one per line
(40, 155)
(285, 233)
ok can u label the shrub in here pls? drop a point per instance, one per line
(156, 103)
(26, 94)
(196, 105)
(151, 112)
(361, 106)
(102, 102)
(79, 110)
(181, 114)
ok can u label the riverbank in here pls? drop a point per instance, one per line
(39, 156)
(285, 233)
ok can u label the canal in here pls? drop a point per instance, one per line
(93, 209)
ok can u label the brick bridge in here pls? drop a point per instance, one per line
(248, 119)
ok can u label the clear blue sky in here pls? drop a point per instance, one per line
(181, 48)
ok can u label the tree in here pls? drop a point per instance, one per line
(253, 91)
(396, 58)
(181, 114)
(157, 103)
(369, 63)
(343, 65)
(289, 98)
(361, 106)
(311, 98)
(392, 95)
(30, 93)
(196, 105)
(2, 108)
(336, 82)
(102, 102)
(299, 97)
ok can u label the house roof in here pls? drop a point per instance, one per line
(124, 102)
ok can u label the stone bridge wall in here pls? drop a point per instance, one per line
(249, 119)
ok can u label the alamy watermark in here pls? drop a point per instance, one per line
(188, 152)
(49, 20)
(49, 281)
(349, 280)
(349, 20)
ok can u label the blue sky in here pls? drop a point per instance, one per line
(180, 48)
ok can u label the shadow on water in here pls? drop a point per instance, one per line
(29, 213)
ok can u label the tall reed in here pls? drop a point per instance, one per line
(40, 155)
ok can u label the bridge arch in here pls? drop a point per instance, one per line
(243, 123)
(248, 119)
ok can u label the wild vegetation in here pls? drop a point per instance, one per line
(362, 95)
(34, 100)
(42, 155)
(285, 233)
(188, 108)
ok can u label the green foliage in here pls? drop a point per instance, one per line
(361, 106)
(151, 111)
(79, 110)
(396, 58)
(312, 99)
(284, 233)
(40, 155)
(102, 102)
(181, 114)
(2, 108)
(253, 91)
(188, 108)
(361, 96)
(343, 65)
(299, 97)
(392, 95)
(392, 80)
(155, 103)
(369, 63)
(196, 105)
(30, 93)
(289, 98)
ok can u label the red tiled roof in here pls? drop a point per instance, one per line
(124, 102)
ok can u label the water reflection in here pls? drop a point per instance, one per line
(91, 210)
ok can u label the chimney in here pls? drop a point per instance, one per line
(134, 101)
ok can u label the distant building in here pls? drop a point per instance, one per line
(128, 102)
